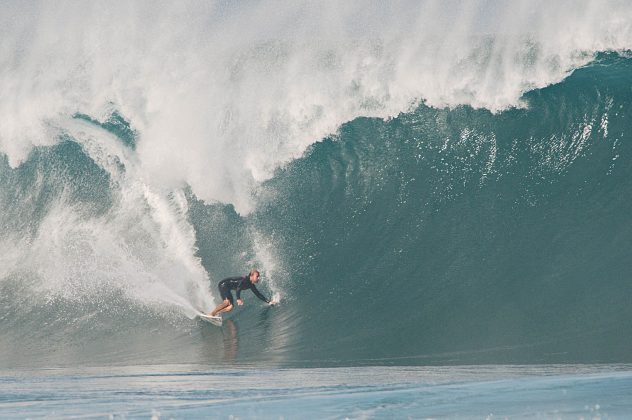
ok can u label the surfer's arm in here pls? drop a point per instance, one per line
(258, 294)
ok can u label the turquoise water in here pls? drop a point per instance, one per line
(438, 236)
(562, 392)
(438, 196)
(494, 237)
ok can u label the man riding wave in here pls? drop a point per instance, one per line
(238, 283)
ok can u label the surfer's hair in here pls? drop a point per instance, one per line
(253, 271)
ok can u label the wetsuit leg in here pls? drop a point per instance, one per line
(226, 295)
(224, 292)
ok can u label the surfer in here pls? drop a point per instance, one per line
(238, 283)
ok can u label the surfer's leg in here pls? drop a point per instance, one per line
(226, 308)
(221, 306)
(227, 304)
(228, 301)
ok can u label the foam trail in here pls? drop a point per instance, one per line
(265, 257)
(176, 276)
(143, 246)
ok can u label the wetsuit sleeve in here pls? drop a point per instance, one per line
(258, 294)
(241, 287)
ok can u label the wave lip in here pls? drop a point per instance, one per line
(221, 108)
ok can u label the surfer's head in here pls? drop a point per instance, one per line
(254, 275)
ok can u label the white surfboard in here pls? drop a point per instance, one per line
(215, 320)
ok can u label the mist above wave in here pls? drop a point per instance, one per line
(222, 94)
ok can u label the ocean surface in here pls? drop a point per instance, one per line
(438, 193)
(484, 392)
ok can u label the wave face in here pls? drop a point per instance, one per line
(464, 235)
(449, 189)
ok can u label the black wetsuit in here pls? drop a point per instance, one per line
(239, 284)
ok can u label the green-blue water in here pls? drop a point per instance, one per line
(438, 236)
(424, 186)
(464, 236)
(560, 392)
